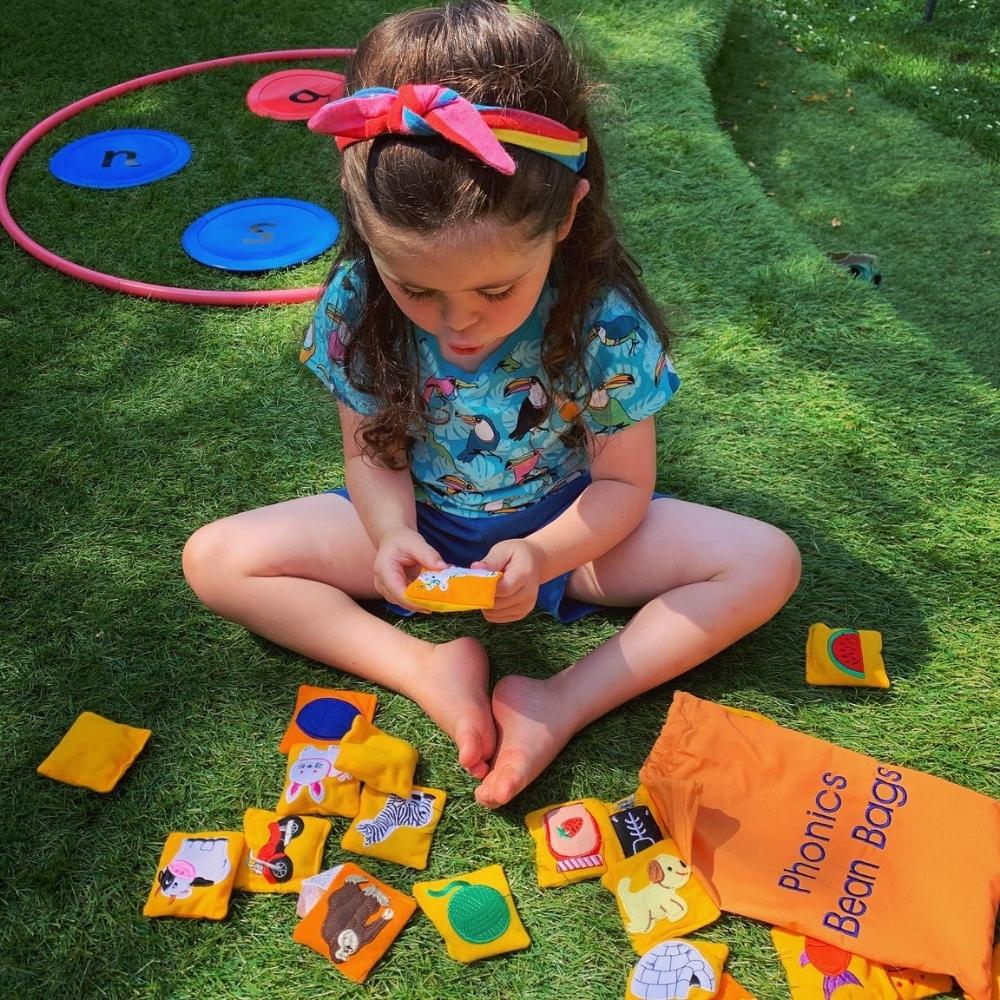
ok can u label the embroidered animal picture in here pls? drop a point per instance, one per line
(356, 914)
(416, 811)
(659, 896)
(394, 828)
(310, 769)
(657, 899)
(354, 921)
(315, 785)
(195, 874)
(199, 862)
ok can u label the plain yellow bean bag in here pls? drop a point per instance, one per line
(94, 753)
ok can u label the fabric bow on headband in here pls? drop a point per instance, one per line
(425, 109)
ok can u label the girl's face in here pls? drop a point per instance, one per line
(473, 288)
(470, 291)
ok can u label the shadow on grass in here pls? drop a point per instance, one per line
(900, 190)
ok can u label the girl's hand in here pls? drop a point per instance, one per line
(520, 561)
(399, 559)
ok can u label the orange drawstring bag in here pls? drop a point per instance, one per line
(885, 862)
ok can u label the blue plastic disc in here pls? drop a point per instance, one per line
(260, 233)
(121, 158)
(326, 718)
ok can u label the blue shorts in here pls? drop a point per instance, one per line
(463, 540)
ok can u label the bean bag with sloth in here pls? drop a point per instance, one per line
(355, 921)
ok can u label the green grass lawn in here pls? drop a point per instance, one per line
(863, 422)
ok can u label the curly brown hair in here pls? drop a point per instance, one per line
(494, 54)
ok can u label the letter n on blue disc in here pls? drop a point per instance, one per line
(120, 158)
(259, 234)
(326, 718)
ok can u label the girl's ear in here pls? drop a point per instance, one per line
(579, 193)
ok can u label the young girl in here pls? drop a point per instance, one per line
(497, 364)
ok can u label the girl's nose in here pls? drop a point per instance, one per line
(458, 316)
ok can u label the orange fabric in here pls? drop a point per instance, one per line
(454, 589)
(885, 862)
(355, 921)
(995, 981)
(729, 989)
(361, 700)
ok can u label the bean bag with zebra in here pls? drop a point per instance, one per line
(394, 828)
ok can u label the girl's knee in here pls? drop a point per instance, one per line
(774, 563)
(207, 560)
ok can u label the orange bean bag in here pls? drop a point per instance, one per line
(885, 862)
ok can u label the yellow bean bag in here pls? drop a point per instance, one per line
(474, 913)
(844, 657)
(316, 786)
(195, 875)
(378, 759)
(659, 896)
(279, 851)
(94, 753)
(816, 970)
(572, 841)
(673, 969)
(394, 828)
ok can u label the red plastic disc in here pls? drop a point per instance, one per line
(294, 94)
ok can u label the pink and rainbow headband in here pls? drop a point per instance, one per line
(427, 109)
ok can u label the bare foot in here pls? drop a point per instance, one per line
(451, 687)
(530, 721)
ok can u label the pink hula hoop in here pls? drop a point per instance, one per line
(169, 293)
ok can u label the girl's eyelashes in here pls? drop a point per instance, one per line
(410, 294)
(427, 293)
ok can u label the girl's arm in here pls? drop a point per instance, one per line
(387, 508)
(382, 497)
(608, 510)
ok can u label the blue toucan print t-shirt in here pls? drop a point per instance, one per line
(488, 447)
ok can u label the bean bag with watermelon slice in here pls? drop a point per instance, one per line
(845, 657)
